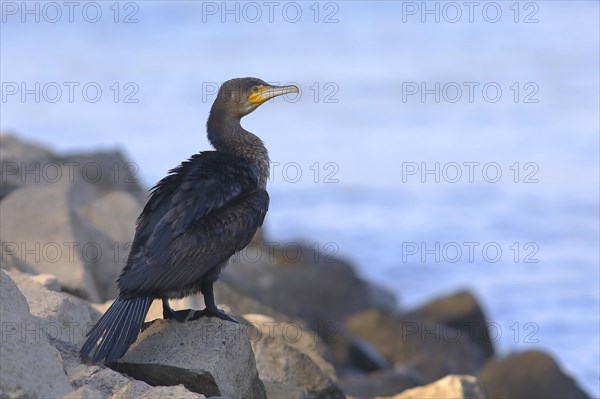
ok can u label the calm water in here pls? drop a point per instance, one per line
(512, 210)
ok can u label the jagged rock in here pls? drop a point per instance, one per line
(102, 379)
(288, 362)
(174, 392)
(85, 392)
(208, 356)
(115, 214)
(24, 349)
(90, 175)
(460, 310)
(106, 171)
(432, 349)
(22, 163)
(45, 240)
(307, 285)
(531, 374)
(65, 318)
(56, 240)
(8, 262)
(242, 304)
(347, 353)
(108, 382)
(449, 387)
(133, 389)
(380, 383)
(49, 281)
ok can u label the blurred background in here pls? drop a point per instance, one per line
(435, 146)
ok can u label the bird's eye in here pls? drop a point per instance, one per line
(255, 89)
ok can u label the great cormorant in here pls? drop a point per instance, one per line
(196, 218)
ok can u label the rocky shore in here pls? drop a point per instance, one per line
(310, 327)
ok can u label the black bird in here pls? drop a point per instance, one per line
(196, 218)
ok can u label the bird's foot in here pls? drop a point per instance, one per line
(179, 315)
(212, 313)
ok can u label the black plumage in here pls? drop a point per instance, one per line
(197, 217)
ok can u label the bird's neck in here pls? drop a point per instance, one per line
(227, 135)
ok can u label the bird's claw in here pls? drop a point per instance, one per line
(179, 315)
(212, 313)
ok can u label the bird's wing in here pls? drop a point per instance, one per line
(196, 218)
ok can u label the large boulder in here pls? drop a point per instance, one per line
(106, 171)
(115, 214)
(288, 361)
(299, 282)
(531, 374)
(450, 387)
(173, 392)
(23, 163)
(432, 349)
(65, 317)
(462, 311)
(29, 365)
(209, 356)
(380, 383)
(54, 239)
(350, 354)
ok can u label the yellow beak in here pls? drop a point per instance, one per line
(266, 93)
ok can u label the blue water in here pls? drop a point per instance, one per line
(360, 129)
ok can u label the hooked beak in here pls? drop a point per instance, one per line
(266, 93)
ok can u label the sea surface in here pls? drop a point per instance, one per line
(435, 146)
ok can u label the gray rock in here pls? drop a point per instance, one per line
(24, 349)
(380, 383)
(7, 261)
(45, 240)
(57, 240)
(449, 387)
(460, 310)
(109, 383)
(208, 356)
(174, 392)
(114, 214)
(350, 354)
(133, 389)
(242, 304)
(288, 362)
(302, 283)
(432, 349)
(90, 175)
(49, 281)
(22, 163)
(104, 257)
(101, 378)
(85, 392)
(106, 171)
(65, 318)
(531, 374)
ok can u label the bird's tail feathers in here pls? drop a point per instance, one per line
(116, 330)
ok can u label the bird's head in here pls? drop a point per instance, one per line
(241, 96)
